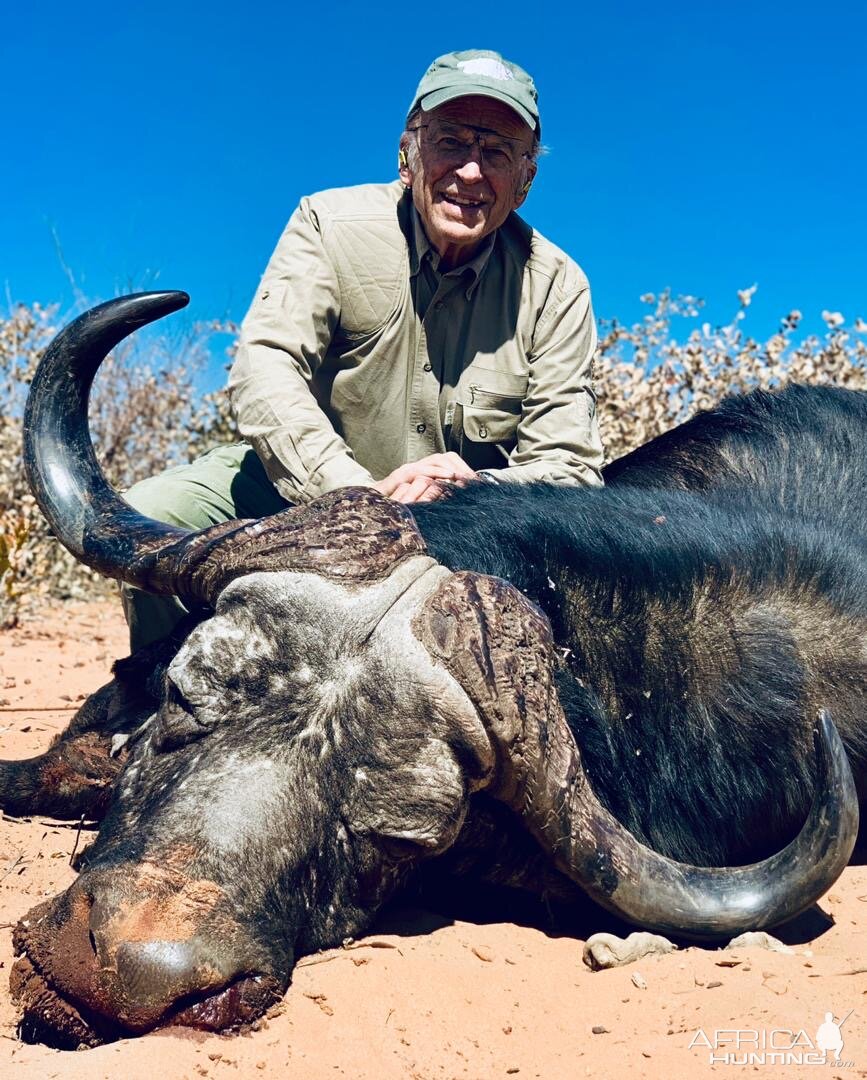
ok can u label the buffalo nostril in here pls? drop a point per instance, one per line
(98, 932)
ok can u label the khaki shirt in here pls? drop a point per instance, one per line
(358, 355)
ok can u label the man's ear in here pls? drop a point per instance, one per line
(524, 190)
(403, 161)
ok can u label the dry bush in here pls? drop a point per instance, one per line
(144, 418)
(649, 378)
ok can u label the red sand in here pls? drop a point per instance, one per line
(440, 999)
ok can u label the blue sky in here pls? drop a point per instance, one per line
(702, 147)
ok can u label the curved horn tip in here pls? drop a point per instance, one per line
(118, 318)
(832, 759)
(176, 297)
(146, 305)
(825, 734)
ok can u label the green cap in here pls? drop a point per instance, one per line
(482, 72)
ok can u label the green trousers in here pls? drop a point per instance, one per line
(228, 482)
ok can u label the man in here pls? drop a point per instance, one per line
(407, 335)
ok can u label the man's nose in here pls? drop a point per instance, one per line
(471, 172)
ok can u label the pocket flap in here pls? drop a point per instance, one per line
(484, 388)
(491, 425)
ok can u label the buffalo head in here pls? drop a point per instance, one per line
(317, 734)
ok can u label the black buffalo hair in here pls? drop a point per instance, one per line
(704, 603)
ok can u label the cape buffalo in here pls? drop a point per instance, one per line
(611, 691)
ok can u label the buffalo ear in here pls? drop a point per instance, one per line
(417, 800)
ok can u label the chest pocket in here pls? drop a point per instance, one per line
(488, 407)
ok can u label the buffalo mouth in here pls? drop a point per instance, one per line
(52, 1020)
(91, 1012)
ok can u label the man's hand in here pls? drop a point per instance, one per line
(422, 481)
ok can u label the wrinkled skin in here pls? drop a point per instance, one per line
(462, 202)
(214, 787)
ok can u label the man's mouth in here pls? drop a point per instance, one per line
(463, 202)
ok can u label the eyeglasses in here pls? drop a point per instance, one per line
(453, 143)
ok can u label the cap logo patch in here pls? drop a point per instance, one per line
(485, 65)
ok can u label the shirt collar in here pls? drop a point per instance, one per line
(421, 246)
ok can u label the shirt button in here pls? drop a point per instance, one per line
(420, 428)
(483, 432)
(427, 367)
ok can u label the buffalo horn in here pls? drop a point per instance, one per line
(88, 518)
(106, 533)
(498, 646)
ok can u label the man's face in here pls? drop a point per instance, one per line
(469, 173)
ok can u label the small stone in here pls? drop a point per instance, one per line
(713, 985)
(775, 984)
(598, 1029)
(602, 951)
(482, 953)
(639, 981)
(322, 1001)
(758, 939)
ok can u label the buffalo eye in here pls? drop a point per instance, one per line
(177, 723)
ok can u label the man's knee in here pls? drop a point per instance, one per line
(227, 482)
(196, 495)
(173, 498)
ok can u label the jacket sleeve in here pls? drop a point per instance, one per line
(558, 436)
(284, 338)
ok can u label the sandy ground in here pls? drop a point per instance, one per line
(427, 996)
